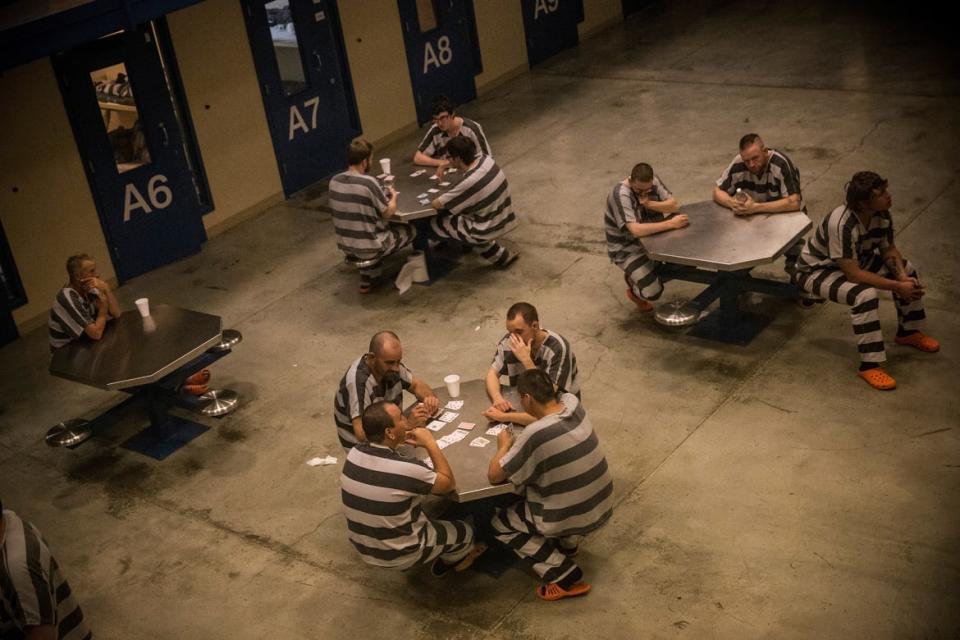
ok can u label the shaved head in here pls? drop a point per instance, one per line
(383, 341)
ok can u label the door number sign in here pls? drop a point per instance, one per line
(158, 194)
(437, 56)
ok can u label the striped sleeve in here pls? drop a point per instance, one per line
(499, 363)
(791, 176)
(428, 145)
(559, 368)
(626, 210)
(475, 132)
(464, 193)
(726, 178)
(406, 377)
(70, 312)
(843, 235)
(886, 240)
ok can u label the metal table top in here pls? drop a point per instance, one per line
(717, 239)
(410, 187)
(135, 351)
(469, 464)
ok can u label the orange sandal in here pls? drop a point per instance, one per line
(878, 379)
(919, 341)
(554, 591)
(200, 377)
(477, 551)
(642, 304)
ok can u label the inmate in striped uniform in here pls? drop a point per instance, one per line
(358, 390)
(567, 489)
(842, 236)
(478, 210)
(32, 590)
(780, 179)
(435, 142)
(624, 248)
(554, 357)
(358, 203)
(70, 313)
(382, 494)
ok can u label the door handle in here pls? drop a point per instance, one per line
(166, 136)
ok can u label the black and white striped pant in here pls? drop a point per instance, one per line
(450, 540)
(642, 273)
(864, 302)
(400, 235)
(445, 225)
(512, 528)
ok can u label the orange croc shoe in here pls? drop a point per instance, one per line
(642, 304)
(554, 591)
(919, 341)
(878, 379)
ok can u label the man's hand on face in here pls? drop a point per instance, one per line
(520, 348)
(419, 437)
(96, 282)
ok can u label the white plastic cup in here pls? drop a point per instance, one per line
(385, 165)
(143, 306)
(453, 385)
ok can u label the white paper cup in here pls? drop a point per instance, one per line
(143, 306)
(385, 165)
(453, 385)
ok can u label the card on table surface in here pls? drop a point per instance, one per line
(425, 203)
(457, 435)
(466, 425)
(423, 195)
(479, 441)
(381, 176)
(444, 184)
(442, 444)
(448, 416)
(433, 190)
(436, 425)
(418, 172)
(434, 177)
(455, 405)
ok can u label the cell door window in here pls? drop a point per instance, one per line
(121, 119)
(286, 47)
(427, 15)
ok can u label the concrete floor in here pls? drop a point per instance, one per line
(754, 500)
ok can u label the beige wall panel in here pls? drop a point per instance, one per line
(599, 14)
(378, 65)
(213, 53)
(502, 43)
(52, 214)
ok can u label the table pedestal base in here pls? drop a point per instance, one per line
(745, 328)
(159, 442)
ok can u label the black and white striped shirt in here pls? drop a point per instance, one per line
(382, 494)
(623, 206)
(435, 142)
(780, 178)
(558, 462)
(358, 203)
(358, 390)
(71, 312)
(482, 202)
(554, 357)
(841, 236)
(33, 592)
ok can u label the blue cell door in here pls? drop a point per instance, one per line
(443, 54)
(550, 26)
(132, 132)
(301, 63)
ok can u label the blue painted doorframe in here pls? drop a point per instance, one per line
(312, 119)
(443, 59)
(550, 26)
(150, 210)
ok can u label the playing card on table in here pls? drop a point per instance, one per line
(466, 426)
(433, 177)
(442, 444)
(448, 416)
(455, 405)
(458, 435)
(423, 195)
(444, 184)
(433, 190)
(436, 425)
(479, 441)
(424, 202)
(418, 172)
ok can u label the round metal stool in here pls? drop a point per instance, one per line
(228, 338)
(69, 433)
(218, 402)
(677, 313)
